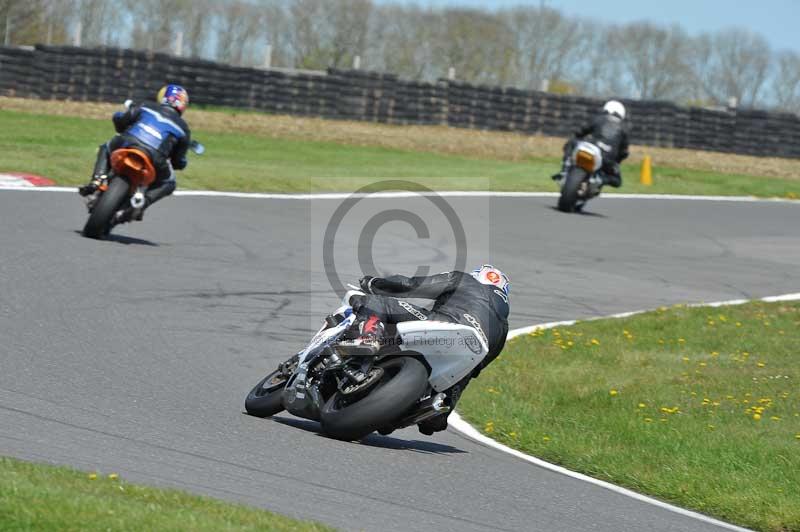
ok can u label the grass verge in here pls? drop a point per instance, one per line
(308, 155)
(40, 497)
(696, 406)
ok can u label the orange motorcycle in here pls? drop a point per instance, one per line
(132, 172)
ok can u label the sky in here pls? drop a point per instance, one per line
(778, 21)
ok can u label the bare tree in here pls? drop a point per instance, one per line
(546, 44)
(238, 30)
(786, 85)
(732, 63)
(401, 41)
(476, 44)
(653, 59)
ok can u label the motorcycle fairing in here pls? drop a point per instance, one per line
(590, 148)
(452, 350)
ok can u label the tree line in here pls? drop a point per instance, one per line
(531, 47)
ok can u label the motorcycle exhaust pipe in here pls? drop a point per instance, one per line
(430, 408)
(137, 200)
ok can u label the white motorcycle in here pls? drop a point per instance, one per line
(581, 180)
(401, 385)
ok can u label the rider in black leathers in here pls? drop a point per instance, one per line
(607, 131)
(479, 300)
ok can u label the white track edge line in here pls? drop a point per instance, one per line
(458, 423)
(444, 194)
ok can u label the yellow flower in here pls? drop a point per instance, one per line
(545, 438)
(595, 341)
(760, 364)
(613, 392)
(711, 427)
(113, 476)
(685, 359)
(797, 436)
(757, 417)
(681, 340)
(714, 353)
(642, 405)
(92, 476)
(649, 420)
(775, 418)
(663, 419)
(738, 323)
(702, 364)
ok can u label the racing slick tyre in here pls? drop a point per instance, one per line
(403, 382)
(264, 399)
(569, 191)
(99, 221)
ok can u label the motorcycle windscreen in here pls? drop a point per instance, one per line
(452, 350)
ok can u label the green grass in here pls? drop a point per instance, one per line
(39, 497)
(697, 406)
(63, 148)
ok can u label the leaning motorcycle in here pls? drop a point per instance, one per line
(581, 181)
(353, 395)
(132, 172)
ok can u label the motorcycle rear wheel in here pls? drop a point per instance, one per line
(265, 400)
(569, 191)
(404, 381)
(99, 221)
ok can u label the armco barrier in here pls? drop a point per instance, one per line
(114, 75)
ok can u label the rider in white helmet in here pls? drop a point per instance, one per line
(478, 299)
(608, 131)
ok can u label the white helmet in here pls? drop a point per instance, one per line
(613, 107)
(488, 274)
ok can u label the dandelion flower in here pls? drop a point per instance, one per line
(760, 364)
(613, 392)
(595, 341)
(681, 341)
(113, 476)
(642, 405)
(92, 476)
(757, 417)
(775, 418)
(545, 438)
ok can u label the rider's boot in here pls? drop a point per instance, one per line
(91, 187)
(369, 341)
(439, 423)
(100, 172)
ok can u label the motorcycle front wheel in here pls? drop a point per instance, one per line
(264, 400)
(569, 191)
(99, 221)
(404, 381)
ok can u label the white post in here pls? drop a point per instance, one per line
(357, 62)
(268, 56)
(544, 86)
(7, 38)
(179, 44)
(733, 102)
(451, 73)
(76, 38)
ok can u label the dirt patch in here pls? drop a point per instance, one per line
(436, 139)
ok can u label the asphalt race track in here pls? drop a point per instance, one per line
(134, 355)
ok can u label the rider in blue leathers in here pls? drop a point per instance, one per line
(157, 129)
